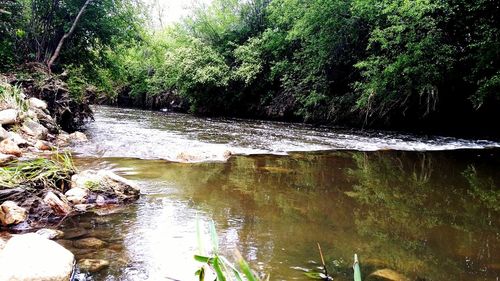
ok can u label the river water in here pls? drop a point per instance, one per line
(425, 207)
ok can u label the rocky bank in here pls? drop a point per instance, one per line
(39, 186)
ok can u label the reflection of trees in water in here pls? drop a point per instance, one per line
(427, 214)
(419, 215)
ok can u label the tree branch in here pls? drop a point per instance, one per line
(66, 35)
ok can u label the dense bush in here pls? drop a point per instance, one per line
(392, 63)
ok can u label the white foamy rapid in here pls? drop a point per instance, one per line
(133, 133)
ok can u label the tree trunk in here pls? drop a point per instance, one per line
(66, 35)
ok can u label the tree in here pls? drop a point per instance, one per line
(55, 55)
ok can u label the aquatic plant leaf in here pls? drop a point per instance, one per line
(201, 274)
(247, 271)
(218, 270)
(357, 270)
(198, 237)
(236, 273)
(202, 258)
(215, 240)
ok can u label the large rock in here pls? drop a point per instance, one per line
(11, 213)
(58, 205)
(9, 116)
(30, 257)
(35, 129)
(46, 120)
(37, 103)
(107, 184)
(92, 265)
(7, 146)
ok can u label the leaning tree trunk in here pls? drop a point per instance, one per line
(66, 35)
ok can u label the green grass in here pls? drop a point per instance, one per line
(12, 96)
(39, 173)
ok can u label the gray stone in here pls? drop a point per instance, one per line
(77, 195)
(17, 139)
(37, 103)
(35, 129)
(9, 116)
(30, 257)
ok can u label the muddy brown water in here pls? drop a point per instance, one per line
(430, 212)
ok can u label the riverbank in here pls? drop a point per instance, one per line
(40, 186)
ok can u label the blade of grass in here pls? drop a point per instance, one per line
(215, 240)
(357, 270)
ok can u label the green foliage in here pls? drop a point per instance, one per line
(408, 58)
(222, 268)
(12, 96)
(77, 85)
(362, 62)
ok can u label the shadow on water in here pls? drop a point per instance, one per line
(427, 215)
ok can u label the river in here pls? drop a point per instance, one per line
(426, 207)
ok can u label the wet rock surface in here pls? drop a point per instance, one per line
(90, 242)
(50, 233)
(92, 265)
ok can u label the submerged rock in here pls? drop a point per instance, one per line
(9, 116)
(11, 213)
(7, 146)
(50, 233)
(386, 274)
(30, 257)
(92, 265)
(90, 242)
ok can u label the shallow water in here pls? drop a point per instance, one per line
(428, 215)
